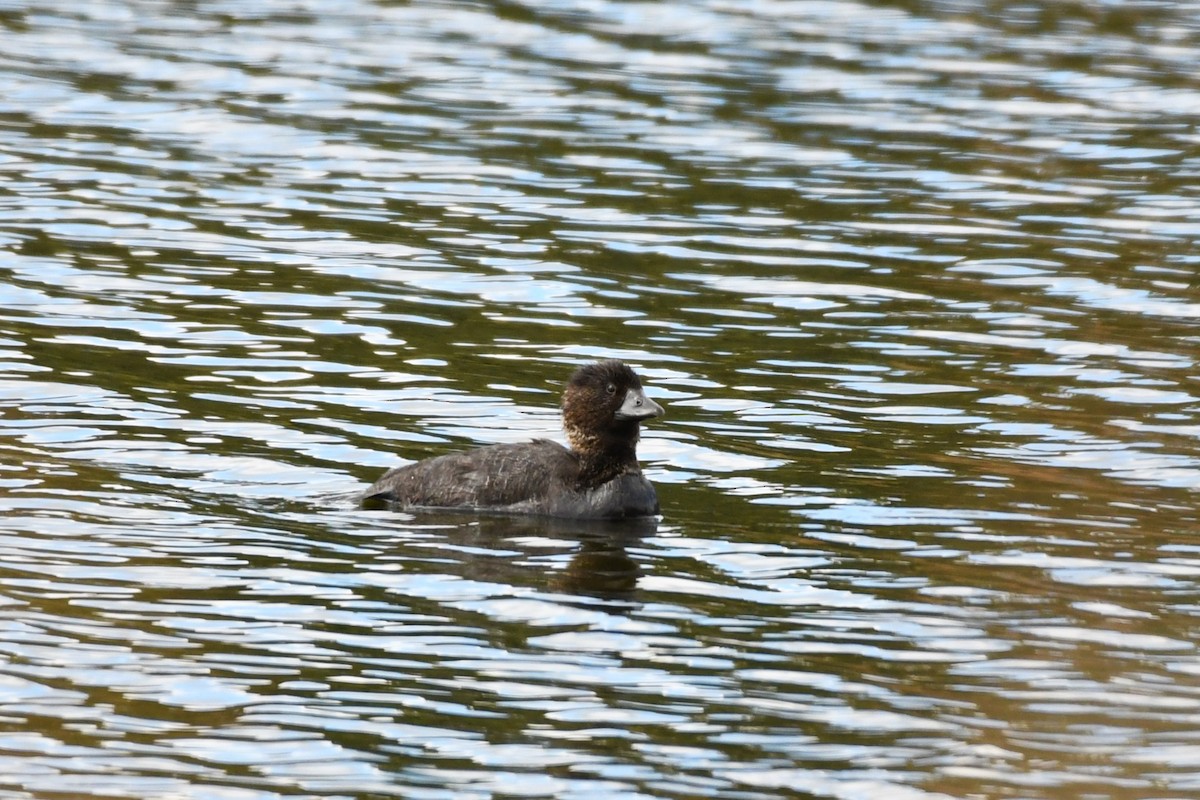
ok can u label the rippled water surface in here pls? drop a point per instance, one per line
(915, 282)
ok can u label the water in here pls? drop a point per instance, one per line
(914, 281)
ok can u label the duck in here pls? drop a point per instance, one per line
(597, 477)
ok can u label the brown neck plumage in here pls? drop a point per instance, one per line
(604, 455)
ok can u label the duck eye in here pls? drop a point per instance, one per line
(611, 388)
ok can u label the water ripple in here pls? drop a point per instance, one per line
(913, 283)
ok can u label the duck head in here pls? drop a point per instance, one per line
(602, 406)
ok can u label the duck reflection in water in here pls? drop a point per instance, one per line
(603, 406)
(514, 551)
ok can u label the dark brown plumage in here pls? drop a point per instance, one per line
(603, 405)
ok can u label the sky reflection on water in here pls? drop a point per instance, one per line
(913, 281)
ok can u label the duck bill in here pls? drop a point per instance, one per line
(637, 407)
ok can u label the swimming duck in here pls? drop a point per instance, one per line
(603, 406)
